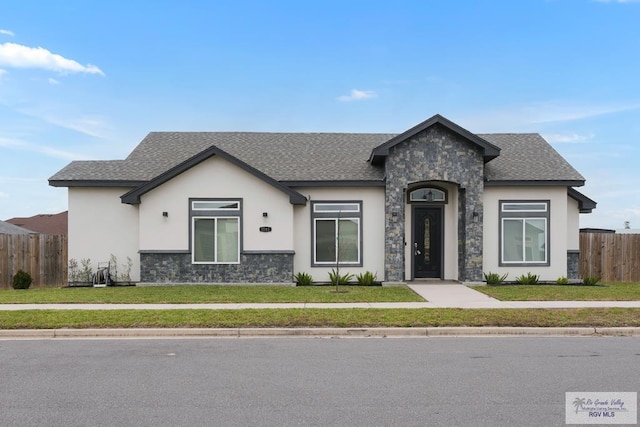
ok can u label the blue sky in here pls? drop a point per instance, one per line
(88, 80)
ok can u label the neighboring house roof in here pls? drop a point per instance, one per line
(296, 159)
(43, 223)
(7, 228)
(585, 204)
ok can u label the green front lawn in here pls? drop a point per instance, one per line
(343, 318)
(195, 294)
(605, 292)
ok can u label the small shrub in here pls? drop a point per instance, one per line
(527, 279)
(22, 280)
(126, 275)
(86, 272)
(562, 280)
(339, 279)
(367, 278)
(303, 279)
(113, 266)
(73, 272)
(495, 278)
(590, 280)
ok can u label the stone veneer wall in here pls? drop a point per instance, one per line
(573, 264)
(259, 267)
(435, 154)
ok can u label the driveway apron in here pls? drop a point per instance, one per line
(451, 294)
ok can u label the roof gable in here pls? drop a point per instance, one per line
(133, 197)
(489, 150)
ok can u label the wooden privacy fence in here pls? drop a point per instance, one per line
(43, 256)
(612, 257)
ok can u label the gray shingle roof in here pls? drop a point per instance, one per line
(527, 157)
(7, 228)
(309, 157)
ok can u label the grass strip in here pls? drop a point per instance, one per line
(271, 318)
(193, 294)
(604, 292)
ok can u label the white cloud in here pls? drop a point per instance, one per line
(617, 1)
(53, 81)
(4, 195)
(357, 95)
(19, 56)
(7, 33)
(566, 138)
(17, 180)
(562, 112)
(530, 116)
(89, 125)
(42, 149)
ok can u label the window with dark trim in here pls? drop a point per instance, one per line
(524, 232)
(336, 233)
(215, 230)
(428, 195)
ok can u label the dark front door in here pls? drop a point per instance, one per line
(427, 242)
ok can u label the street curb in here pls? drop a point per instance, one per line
(424, 332)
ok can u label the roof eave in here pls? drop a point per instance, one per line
(335, 183)
(531, 183)
(585, 204)
(94, 183)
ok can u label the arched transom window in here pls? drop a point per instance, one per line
(428, 194)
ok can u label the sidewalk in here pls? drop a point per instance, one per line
(453, 295)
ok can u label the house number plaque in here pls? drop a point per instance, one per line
(265, 229)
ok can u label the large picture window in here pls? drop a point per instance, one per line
(215, 231)
(337, 231)
(524, 230)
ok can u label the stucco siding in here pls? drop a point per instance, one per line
(100, 225)
(216, 178)
(558, 224)
(372, 230)
(573, 224)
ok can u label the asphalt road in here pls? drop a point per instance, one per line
(303, 381)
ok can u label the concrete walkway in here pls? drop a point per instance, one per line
(456, 295)
(449, 295)
(438, 295)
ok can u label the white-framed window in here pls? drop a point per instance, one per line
(524, 232)
(336, 233)
(215, 231)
